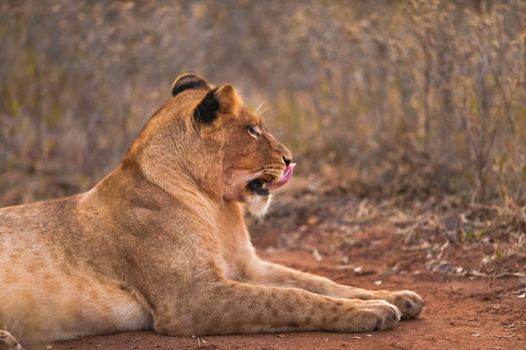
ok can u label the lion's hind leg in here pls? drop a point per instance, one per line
(8, 342)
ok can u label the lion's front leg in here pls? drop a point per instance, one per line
(266, 273)
(225, 307)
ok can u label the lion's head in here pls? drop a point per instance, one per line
(207, 136)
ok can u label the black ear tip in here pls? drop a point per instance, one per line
(189, 81)
(223, 99)
(207, 108)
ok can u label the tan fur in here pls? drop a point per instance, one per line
(160, 243)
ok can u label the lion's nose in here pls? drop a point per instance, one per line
(287, 160)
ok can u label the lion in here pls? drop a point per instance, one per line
(161, 244)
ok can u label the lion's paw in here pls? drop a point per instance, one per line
(409, 303)
(374, 315)
(8, 342)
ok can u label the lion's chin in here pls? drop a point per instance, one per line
(258, 205)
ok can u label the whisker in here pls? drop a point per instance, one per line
(258, 108)
(249, 178)
(262, 108)
(246, 179)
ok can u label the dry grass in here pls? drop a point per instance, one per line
(419, 101)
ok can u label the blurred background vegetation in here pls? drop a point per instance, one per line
(414, 100)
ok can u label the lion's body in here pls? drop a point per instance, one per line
(60, 260)
(49, 289)
(161, 244)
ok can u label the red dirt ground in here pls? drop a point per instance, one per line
(460, 313)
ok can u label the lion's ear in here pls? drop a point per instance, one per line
(189, 81)
(223, 99)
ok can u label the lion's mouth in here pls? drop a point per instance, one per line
(262, 186)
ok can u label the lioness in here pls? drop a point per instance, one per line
(161, 243)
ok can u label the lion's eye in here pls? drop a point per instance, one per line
(254, 132)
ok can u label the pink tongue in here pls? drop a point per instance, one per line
(287, 174)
